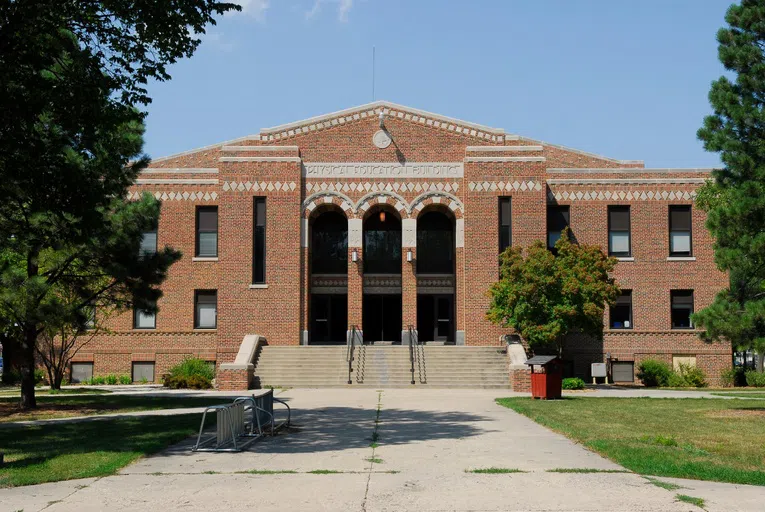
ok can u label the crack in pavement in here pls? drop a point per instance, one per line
(373, 444)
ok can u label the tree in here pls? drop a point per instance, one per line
(544, 297)
(735, 199)
(71, 74)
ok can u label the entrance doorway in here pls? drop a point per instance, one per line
(329, 318)
(435, 318)
(381, 318)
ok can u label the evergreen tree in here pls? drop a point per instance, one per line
(72, 73)
(735, 199)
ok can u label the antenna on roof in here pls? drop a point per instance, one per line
(373, 73)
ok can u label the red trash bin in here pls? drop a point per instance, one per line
(546, 384)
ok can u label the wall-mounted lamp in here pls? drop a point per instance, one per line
(382, 120)
(354, 256)
(409, 256)
(382, 216)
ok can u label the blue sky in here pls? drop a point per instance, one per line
(624, 79)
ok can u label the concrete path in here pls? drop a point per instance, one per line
(427, 440)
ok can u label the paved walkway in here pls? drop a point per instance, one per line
(427, 440)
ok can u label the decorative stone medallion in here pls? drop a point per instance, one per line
(381, 139)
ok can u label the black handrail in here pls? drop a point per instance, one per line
(411, 349)
(351, 342)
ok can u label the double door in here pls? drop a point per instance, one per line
(435, 318)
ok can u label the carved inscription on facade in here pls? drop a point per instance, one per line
(384, 170)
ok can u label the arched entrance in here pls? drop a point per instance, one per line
(328, 306)
(436, 257)
(381, 313)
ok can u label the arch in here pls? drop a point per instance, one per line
(437, 197)
(391, 198)
(313, 201)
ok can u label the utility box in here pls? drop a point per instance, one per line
(546, 377)
(599, 370)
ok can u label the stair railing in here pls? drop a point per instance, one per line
(411, 349)
(419, 353)
(350, 345)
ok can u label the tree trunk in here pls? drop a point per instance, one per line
(760, 361)
(28, 400)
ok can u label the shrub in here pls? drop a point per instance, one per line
(39, 376)
(573, 383)
(187, 382)
(654, 373)
(755, 379)
(111, 379)
(687, 376)
(125, 379)
(144, 380)
(733, 377)
(190, 373)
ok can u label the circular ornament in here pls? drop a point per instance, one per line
(381, 139)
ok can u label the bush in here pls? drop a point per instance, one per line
(573, 383)
(187, 382)
(733, 377)
(125, 379)
(654, 373)
(687, 376)
(39, 376)
(190, 373)
(111, 379)
(755, 379)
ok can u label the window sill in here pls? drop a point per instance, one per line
(205, 329)
(136, 329)
(625, 258)
(204, 258)
(681, 258)
(258, 286)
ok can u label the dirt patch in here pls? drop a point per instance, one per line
(754, 412)
(12, 411)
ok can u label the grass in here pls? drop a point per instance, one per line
(268, 472)
(325, 472)
(63, 406)
(494, 471)
(702, 439)
(64, 451)
(374, 460)
(759, 393)
(664, 485)
(699, 502)
(585, 470)
(15, 392)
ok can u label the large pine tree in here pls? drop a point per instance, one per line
(735, 199)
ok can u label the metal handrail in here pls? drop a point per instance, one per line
(411, 349)
(351, 342)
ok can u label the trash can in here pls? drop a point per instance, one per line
(546, 377)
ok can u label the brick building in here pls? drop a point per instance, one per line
(384, 217)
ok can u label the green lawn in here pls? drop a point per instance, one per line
(64, 451)
(760, 393)
(62, 406)
(67, 391)
(703, 439)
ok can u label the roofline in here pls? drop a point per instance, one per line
(628, 170)
(381, 104)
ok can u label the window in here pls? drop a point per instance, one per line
(557, 221)
(205, 309)
(90, 317)
(621, 312)
(207, 231)
(81, 372)
(143, 372)
(682, 308)
(329, 244)
(259, 241)
(148, 243)
(435, 243)
(680, 231)
(505, 225)
(382, 243)
(144, 319)
(619, 231)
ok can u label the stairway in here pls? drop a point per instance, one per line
(383, 366)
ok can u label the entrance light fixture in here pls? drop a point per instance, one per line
(382, 216)
(354, 256)
(409, 256)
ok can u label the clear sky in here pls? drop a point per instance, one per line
(625, 79)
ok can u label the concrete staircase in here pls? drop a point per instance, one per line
(383, 366)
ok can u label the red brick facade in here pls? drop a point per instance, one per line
(474, 166)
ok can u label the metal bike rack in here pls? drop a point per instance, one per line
(229, 429)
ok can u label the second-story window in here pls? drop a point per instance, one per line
(557, 220)
(619, 243)
(680, 231)
(207, 232)
(144, 319)
(621, 312)
(505, 224)
(682, 308)
(205, 309)
(148, 243)
(259, 241)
